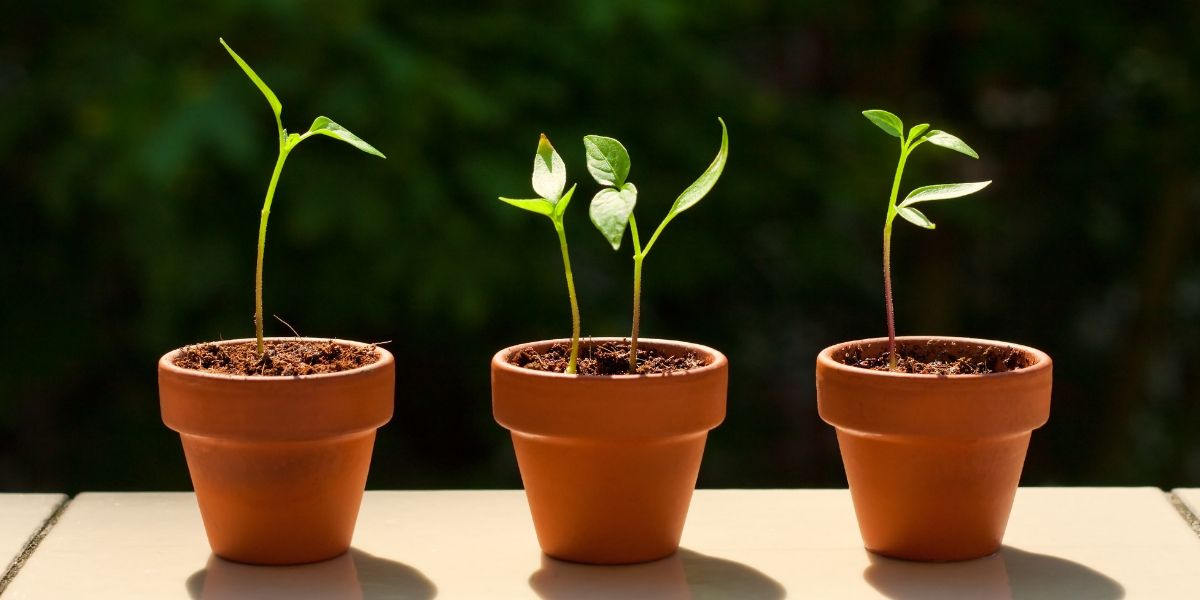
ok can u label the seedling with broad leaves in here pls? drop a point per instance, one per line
(549, 180)
(611, 210)
(917, 135)
(287, 142)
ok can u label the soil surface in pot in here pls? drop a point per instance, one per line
(939, 357)
(605, 358)
(283, 357)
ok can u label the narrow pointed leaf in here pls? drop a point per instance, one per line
(549, 172)
(915, 217)
(943, 191)
(917, 130)
(560, 207)
(276, 107)
(610, 212)
(886, 121)
(695, 192)
(945, 140)
(607, 160)
(540, 206)
(325, 126)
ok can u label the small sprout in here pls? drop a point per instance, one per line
(549, 179)
(611, 210)
(323, 126)
(892, 124)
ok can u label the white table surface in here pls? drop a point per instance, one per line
(21, 518)
(1093, 543)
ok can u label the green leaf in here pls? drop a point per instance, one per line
(276, 107)
(540, 206)
(943, 191)
(945, 140)
(610, 212)
(915, 217)
(916, 130)
(549, 172)
(607, 160)
(886, 121)
(695, 192)
(560, 207)
(325, 126)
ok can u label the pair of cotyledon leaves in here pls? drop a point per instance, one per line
(322, 125)
(892, 124)
(608, 162)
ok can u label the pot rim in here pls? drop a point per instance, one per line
(1042, 360)
(167, 362)
(500, 360)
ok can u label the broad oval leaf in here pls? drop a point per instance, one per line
(549, 172)
(695, 192)
(276, 107)
(917, 130)
(945, 140)
(326, 126)
(943, 191)
(915, 217)
(607, 160)
(540, 206)
(560, 207)
(610, 212)
(886, 121)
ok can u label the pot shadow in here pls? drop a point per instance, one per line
(685, 575)
(355, 575)
(1009, 574)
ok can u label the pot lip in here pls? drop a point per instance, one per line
(167, 362)
(825, 360)
(719, 362)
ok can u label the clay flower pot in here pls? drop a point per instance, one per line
(933, 461)
(278, 463)
(609, 462)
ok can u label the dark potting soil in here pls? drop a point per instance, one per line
(283, 357)
(604, 358)
(940, 357)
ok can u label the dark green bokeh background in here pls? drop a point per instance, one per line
(135, 154)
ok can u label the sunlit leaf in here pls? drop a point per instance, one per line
(915, 217)
(610, 210)
(276, 107)
(943, 191)
(886, 121)
(695, 192)
(607, 160)
(540, 206)
(945, 140)
(325, 126)
(549, 172)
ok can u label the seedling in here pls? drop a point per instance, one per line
(287, 142)
(549, 179)
(917, 135)
(612, 207)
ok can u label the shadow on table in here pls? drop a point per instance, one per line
(1010, 574)
(354, 575)
(685, 575)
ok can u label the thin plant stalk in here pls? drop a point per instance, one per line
(638, 256)
(572, 364)
(262, 246)
(887, 256)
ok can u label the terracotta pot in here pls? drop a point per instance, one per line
(609, 462)
(278, 463)
(932, 461)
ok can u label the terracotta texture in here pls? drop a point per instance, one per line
(609, 462)
(933, 461)
(278, 463)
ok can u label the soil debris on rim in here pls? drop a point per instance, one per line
(605, 358)
(282, 358)
(938, 357)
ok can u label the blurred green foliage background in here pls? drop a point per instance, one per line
(134, 155)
